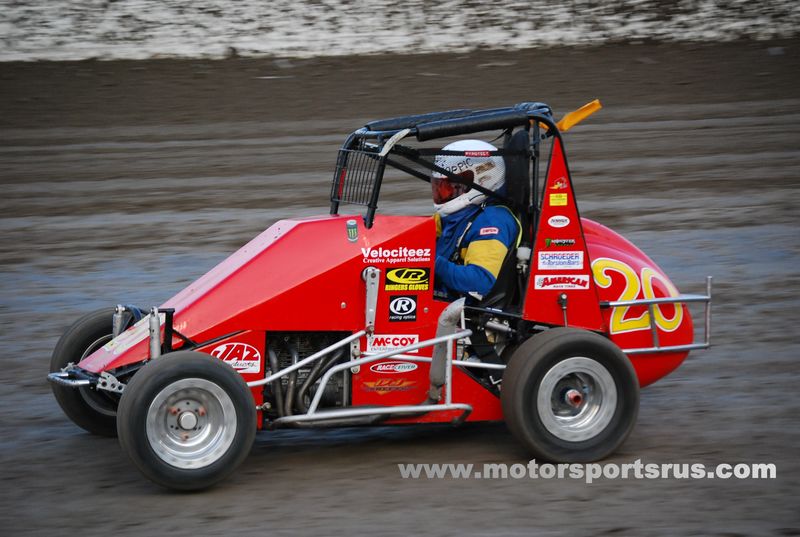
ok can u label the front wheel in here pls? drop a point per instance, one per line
(186, 420)
(570, 395)
(91, 409)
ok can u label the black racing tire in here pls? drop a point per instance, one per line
(570, 395)
(187, 420)
(92, 410)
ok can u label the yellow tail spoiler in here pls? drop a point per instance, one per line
(576, 116)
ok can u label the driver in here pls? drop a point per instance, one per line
(474, 233)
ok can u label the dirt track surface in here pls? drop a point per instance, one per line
(124, 181)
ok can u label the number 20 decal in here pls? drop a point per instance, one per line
(621, 321)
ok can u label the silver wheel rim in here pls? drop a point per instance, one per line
(191, 423)
(577, 399)
(96, 401)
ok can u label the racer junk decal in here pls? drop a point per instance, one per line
(407, 279)
(403, 308)
(242, 357)
(561, 260)
(393, 367)
(562, 281)
(558, 221)
(558, 242)
(390, 342)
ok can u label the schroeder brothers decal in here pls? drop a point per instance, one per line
(407, 279)
(242, 357)
(560, 260)
(562, 281)
(390, 342)
(403, 308)
(558, 221)
(396, 255)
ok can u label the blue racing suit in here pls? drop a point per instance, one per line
(471, 246)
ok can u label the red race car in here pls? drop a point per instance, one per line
(333, 320)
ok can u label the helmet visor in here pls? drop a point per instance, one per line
(445, 190)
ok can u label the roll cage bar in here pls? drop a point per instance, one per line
(366, 152)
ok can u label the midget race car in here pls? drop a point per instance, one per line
(333, 320)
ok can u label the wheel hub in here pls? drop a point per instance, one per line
(191, 423)
(576, 400)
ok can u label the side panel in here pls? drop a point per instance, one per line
(623, 272)
(561, 291)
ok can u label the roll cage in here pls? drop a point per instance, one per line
(366, 152)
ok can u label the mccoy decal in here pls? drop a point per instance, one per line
(242, 357)
(393, 367)
(558, 200)
(489, 231)
(566, 281)
(390, 342)
(558, 221)
(559, 184)
(558, 242)
(407, 279)
(403, 308)
(560, 260)
(396, 255)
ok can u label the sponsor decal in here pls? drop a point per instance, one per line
(477, 153)
(390, 342)
(489, 231)
(402, 308)
(352, 230)
(393, 367)
(562, 281)
(396, 255)
(559, 184)
(558, 242)
(384, 386)
(561, 260)
(557, 200)
(558, 221)
(407, 279)
(242, 357)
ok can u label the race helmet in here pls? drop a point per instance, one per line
(476, 165)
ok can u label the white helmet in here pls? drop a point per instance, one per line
(477, 165)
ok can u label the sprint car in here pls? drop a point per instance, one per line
(333, 321)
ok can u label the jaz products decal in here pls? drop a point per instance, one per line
(558, 221)
(562, 281)
(387, 385)
(242, 357)
(571, 260)
(393, 367)
(558, 200)
(390, 342)
(608, 271)
(403, 308)
(393, 256)
(407, 279)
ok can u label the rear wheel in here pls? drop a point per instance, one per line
(88, 408)
(187, 420)
(570, 395)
